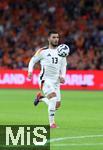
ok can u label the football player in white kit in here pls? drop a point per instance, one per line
(53, 70)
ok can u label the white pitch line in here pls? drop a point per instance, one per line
(74, 144)
(74, 137)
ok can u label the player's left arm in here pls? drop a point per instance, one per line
(63, 70)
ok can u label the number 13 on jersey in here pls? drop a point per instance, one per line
(54, 60)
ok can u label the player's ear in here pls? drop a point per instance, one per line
(48, 38)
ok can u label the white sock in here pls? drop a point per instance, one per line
(45, 100)
(51, 110)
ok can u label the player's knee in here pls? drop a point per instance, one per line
(51, 95)
(58, 104)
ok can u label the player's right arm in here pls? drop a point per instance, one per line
(36, 58)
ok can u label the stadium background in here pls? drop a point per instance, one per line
(24, 26)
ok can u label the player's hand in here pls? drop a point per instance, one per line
(29, 75)
(62, 80)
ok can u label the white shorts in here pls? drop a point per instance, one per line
(50, 86)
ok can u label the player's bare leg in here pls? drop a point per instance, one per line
(58, 104)
(52, 106)
(41, 98)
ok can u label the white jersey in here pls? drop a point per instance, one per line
(52, 65)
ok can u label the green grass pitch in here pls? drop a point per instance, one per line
(80, 117)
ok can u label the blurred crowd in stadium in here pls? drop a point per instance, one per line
(24, 26)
